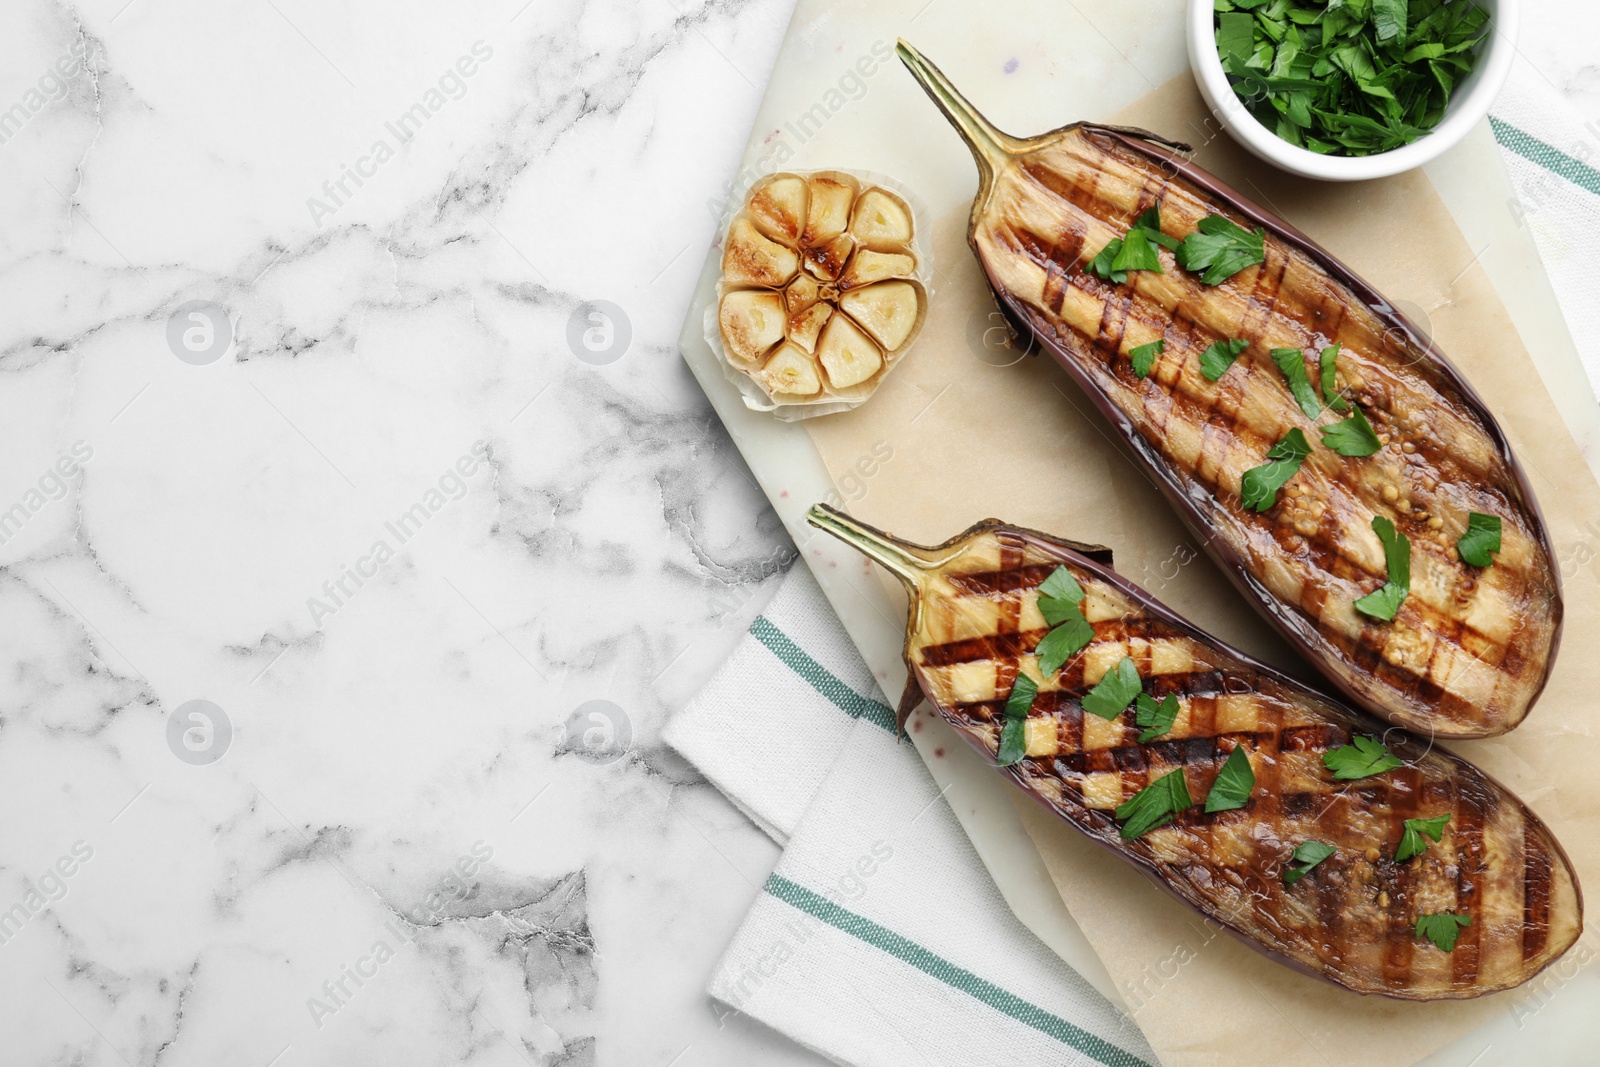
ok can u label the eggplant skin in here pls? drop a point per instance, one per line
(1351, 919)
(1471, 648)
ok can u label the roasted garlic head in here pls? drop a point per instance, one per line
(820, 294)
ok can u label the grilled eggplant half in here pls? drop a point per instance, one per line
(1470, 647)
(1495, 880)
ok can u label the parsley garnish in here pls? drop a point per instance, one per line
(1352, 437)
(1362, 758)
(1482, 539)
(1215, 361)
(1389, 18)
(1114, 691)
(1157, 718)
(1133, 250)
(1060, 602)
(1233, 784)
(1136, 253)
(1382, 603)
(1144, 357)
(1443, 929)
(1307, 856)
(1062, 643)
(1259, 486)
(1292, 362)
(1411, 842)
(1154, 805)
(1061, 587)
(1150, 223)
(1352, 77)
(1219, 249)
(1013, 736)
(1235, 35)
(1330, 395)
(1100, 265)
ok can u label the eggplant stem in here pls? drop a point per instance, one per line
(893, 555)
(991, 148)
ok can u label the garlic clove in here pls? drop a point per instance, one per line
(778, 206)
(848, 356)
(804, 327)
(881, 221)
(827, 261)
(828, 210)
(752, 321)
(789, 372)
(801, 293)
(887, 311)
(750, 258)
(868, 266)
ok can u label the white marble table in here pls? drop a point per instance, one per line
(404, 538)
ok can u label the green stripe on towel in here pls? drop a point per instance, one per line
(1552, 159)
(869, 932)
(819, 677)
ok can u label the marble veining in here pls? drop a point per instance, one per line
(351, 559)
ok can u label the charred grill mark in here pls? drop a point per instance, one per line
(1535, 893)
(1103, 343)
(1193, 685)
(1114, 327)
(1010, 615)
(1201, 684)
(1055, 287)
(1321, 737)
(1399, 946)
(1514, 660)
(1264, 293)
(1012, 553)
(1466, 830)
(1000, 646)
(1040, 250)
(1216, 435)
(1334, 910)
(1202, 709)
(1199, 752)
(1158, 403)
(1374, 796)
(978, 713)
(1302, 803)
(1066, 253)
(1015, 644)
(1260, 809)
(1331, 328)
(985, 583)
(1314, 593)
(1067, 190)
(1249, 811)
(1198, 746)
(1265, 760)
(1069, 724)
(1417, 689)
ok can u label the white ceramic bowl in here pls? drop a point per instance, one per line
(1469, 103)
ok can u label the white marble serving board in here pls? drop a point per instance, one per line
(833, 101)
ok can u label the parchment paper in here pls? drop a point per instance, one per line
(972, 438)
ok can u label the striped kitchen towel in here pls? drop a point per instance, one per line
(1552, 152)
(879, 939)
(810, 679)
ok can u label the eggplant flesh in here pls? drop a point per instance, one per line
(1470, 648)
(974, 623)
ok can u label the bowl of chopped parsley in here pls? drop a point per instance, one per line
(1346, 90)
